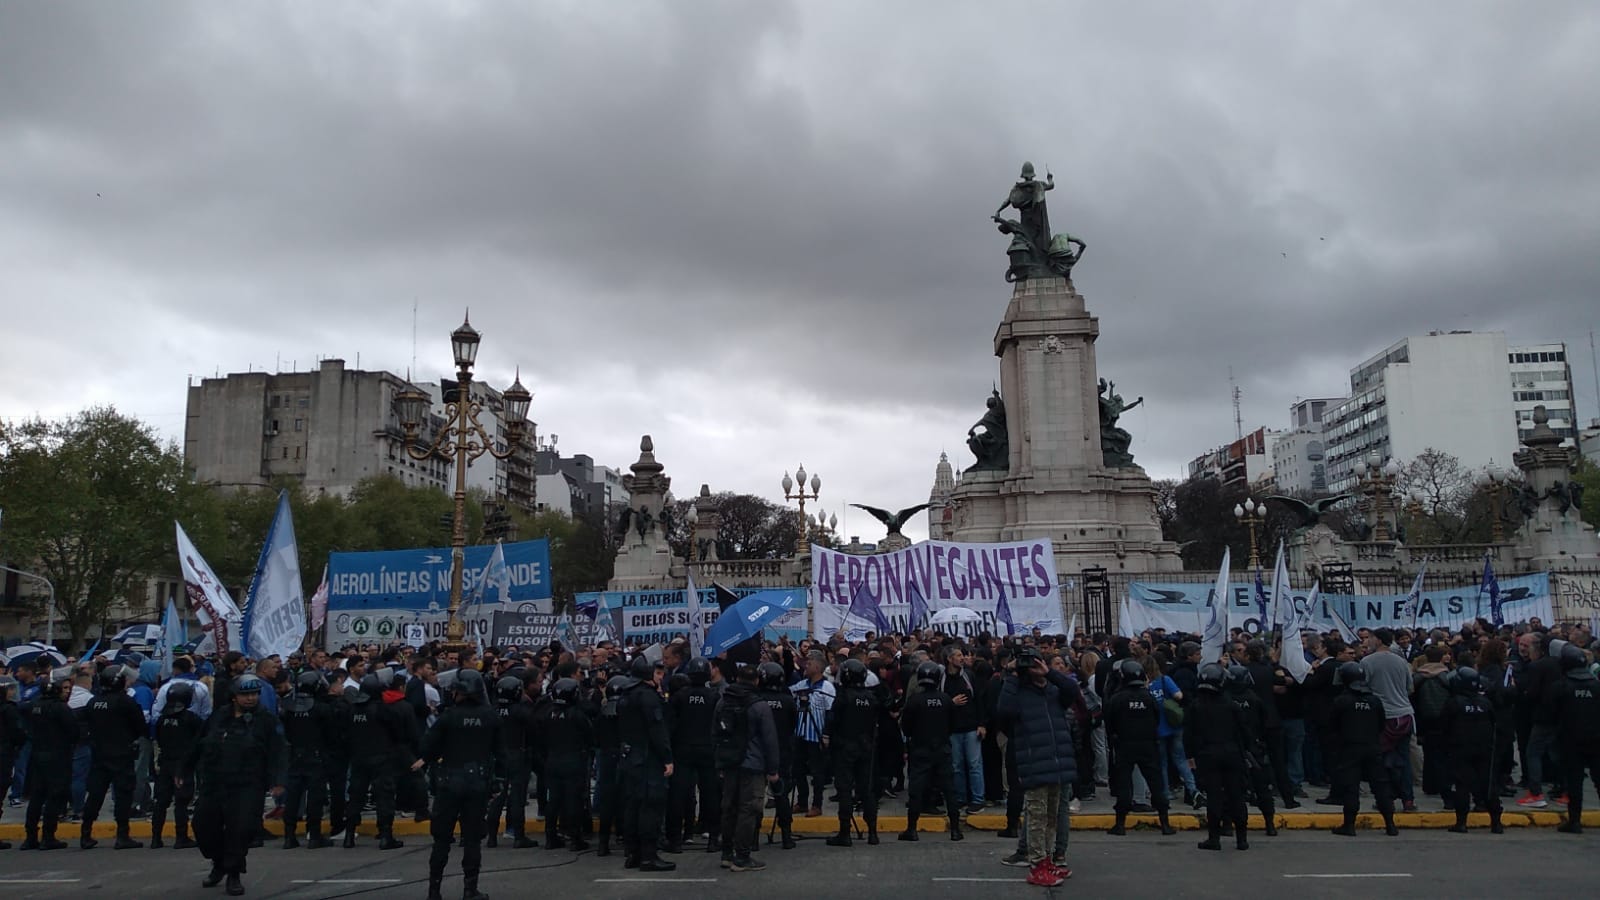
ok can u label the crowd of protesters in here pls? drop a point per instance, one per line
(656, 750)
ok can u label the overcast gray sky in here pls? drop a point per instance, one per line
(758, 231)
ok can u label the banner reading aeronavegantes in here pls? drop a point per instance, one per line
(942, 575)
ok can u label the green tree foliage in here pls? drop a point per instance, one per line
(1198, 515)
(1588, 475)
(755, 528)
(89, 503)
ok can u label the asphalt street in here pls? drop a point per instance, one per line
(1305, 864)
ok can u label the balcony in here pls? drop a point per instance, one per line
(745, 572)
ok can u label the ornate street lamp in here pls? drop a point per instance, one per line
(1377, 480)
(1253, 515)
(464, 439)
(795, 489)
(692, 519)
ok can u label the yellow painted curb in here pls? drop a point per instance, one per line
(829, 824)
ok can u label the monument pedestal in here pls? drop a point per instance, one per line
(1058, 485)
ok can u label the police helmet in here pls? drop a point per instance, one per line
(311, 683)
(248, 683)
(1132, 671)
(1465, 680)
(371, 688)
(1211, 677)
(508, 690)
(113, 679)
(469, 682)
(929, 672)
(179, 697)
(564, 692)
(1352, 676)
(853, 673)
(1572, 658)
(641, 668)
(771, 676)
(699, 670)
(1240, 677)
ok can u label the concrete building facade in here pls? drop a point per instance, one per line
(1299, 457)
(1541, 376)
(510, 480)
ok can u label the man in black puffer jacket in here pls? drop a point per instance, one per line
(1038, 704)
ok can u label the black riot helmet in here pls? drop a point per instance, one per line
(853, 673)
(699, 670)
(180, 696)
(1352, 676)
(677, 682)
(1239, 677)
(1465, 680)
(311, 683)
(1572, 658)
(771, 676)
(508, 690)
(565, 692)
(247, 683)
(1132, 671)
(641, 668)
(113, 679)
(929, 673)
(371, 688)
(1211, 677)
(468, 683)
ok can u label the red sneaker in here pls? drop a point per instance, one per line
(1564, 800)
(1531, 799)
(1044, 875)
(1063, 871)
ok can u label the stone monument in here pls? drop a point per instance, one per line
(644, 559)
(1051, 459)
(1553, 536)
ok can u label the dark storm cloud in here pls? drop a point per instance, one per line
(784, 205)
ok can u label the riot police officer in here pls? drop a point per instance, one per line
(464, 745)
(1358, 719)
(925, 719)
(1468, 728)
(1575, 701)
(689, 713)
(785, 714)
(241, 753)
(568, 737)
(310, 724)
(1132, 725)
(54, 737)
(646, 766)
(116, 723)
(12, 736)
(852, 735)
(337, 768)
(1214, 736)
(607, 757)
(178, 731)
(1241, 689)
(378, 740)
(516, 716)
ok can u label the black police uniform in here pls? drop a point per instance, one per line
(311, 725)
(852, 730)
(115, 723)
(568, 737)
(1575, 702)
(646, 752)
(690, 723)
(1214, 737)
(465, 745)
(54, 733)
(1468, 727)
(785, 715)
(379, 735)
(1358, 719)
(178, 732)
(926, 721)
(1258, 766)
(1132, 726)
(337, 768)
(607, 757)
(238, 757)
(12, 737)
(517, 732)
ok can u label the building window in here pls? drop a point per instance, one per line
(276, 400)
(297, 453)
(286, 453)
(303, 402)
(299, 424)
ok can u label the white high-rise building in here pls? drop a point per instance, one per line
(1299, 457)
(1445, 391)
(1540, 376)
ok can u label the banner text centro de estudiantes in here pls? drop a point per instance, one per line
(661, 616)
(944, 575)
(382, 596)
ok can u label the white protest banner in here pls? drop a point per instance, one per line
(275, 611)
(219, 615)
(946, 575)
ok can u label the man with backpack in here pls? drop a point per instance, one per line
(1430, 698)
(747, 755)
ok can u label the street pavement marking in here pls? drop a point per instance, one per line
(655, 881)
(346, 881)
(982, 880)
(40, 880)
(1355, 875)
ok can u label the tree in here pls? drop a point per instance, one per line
(1436, 490)
(1198, 514)
(580, 557)
(1588, 475)
(90, 501)
(755, 528)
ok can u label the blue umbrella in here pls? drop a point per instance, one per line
(745, 619)
(148, 634)
(32, 651)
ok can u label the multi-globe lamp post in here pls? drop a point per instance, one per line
(1496, 481)
(463, 439)
(1377, 481)
(1254, 516)
(795, 489)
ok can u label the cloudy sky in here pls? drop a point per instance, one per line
(758, 230)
